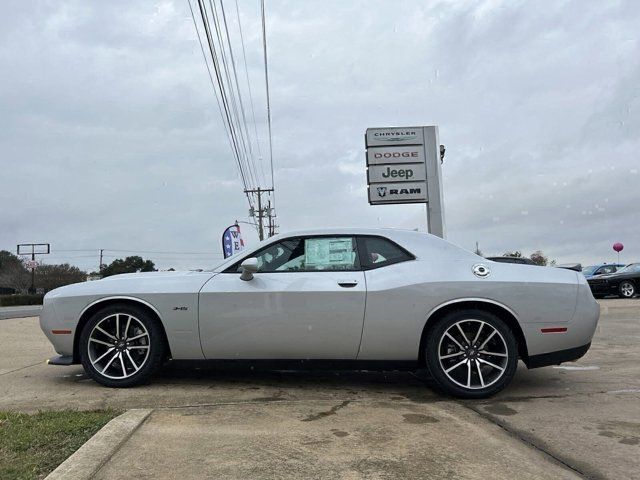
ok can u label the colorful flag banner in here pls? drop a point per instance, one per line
(232, 242)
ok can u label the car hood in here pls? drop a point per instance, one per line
(146, 275)
(136, 283)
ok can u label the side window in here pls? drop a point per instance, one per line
(308, 254)
(330, 254)
(379, 252)
(285, 256)
(607, 269)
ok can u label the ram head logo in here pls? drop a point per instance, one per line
(382, 191)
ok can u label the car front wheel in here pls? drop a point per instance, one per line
(471, 354)
(121, 346)
(627, 289)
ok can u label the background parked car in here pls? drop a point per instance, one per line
(623, 283)
(520, 260)
(601, 269)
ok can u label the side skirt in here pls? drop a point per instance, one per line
(265, 365)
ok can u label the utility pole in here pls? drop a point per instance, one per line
(100, 264)
(270, 216)
(261, 213)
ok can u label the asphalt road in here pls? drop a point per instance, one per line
(19, 312)
(578, 420)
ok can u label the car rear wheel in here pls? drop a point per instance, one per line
(627, 289)
(121, 346)
(471, 354)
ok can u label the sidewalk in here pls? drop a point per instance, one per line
(322, 439)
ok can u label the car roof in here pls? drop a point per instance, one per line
(598, 265)
(349, 231)
(414, 241)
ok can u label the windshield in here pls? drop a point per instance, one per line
(633, 268)
(589, 270)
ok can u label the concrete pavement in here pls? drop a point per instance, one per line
(585, 416)
(588, 413)
(326, 439)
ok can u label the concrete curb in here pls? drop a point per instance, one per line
(90, 457)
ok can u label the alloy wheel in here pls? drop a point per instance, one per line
(627, 289)
(118, 346)
(473, 354)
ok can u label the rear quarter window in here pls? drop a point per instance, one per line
(377, 252)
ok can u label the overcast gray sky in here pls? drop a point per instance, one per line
(110, 136)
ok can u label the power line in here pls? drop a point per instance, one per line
(229, 95)
(229, 86)
(246, 71)
(235, 75)
(220, 83)
(170, 252)
(206, 62)
(160, 253)
(266, 81)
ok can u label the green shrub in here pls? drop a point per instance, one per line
(15, 300)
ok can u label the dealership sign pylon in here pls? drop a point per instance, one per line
(404, 166)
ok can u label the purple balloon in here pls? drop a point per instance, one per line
(618, 247)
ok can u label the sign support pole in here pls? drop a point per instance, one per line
(435, 203)
(32, 289)
(20, 251)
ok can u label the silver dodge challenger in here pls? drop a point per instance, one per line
(368, 297)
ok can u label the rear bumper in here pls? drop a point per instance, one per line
(556, 358)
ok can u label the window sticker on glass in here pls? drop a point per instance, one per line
(329, 253)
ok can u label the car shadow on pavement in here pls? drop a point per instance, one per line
(250, 375)
(188, 382)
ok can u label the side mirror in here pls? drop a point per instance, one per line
(249, 267)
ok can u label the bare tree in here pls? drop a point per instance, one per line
(54, 276)
(515, 253)
(539, 258)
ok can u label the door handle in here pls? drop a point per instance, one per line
(348, 284)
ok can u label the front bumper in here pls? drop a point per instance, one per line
(61, 360)
(59, 331)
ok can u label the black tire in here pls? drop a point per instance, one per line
(627, 289)
(153, 342)
(505, 342)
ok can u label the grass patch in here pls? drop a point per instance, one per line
(32, 445)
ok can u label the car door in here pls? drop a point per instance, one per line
(306, 301)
